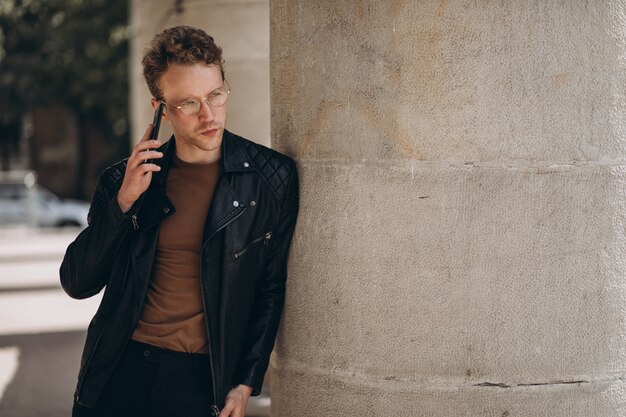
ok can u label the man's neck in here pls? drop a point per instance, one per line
(198, 156)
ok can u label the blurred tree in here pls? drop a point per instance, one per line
(69, 53)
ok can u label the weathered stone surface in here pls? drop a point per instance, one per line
(334, 394)
(459, 272)
(460, 248)
(453, 80)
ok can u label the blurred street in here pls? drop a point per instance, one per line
(42, 330)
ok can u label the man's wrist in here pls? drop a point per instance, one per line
(124, 205)
(245, 389)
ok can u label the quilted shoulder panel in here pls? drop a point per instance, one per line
(273, 166)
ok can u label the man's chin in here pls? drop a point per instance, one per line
(210, 142)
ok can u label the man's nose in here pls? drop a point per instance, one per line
(206, 112)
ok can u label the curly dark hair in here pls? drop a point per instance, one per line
(178, 45)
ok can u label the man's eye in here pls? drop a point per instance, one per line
(188, 104)
(214, 94)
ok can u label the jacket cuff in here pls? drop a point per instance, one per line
(115, 214)
(256, 385)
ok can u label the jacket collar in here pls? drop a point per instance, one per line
(234, 156)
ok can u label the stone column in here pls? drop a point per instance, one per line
(460, 248)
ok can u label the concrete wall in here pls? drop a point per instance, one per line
(460, 249)
(241, 28)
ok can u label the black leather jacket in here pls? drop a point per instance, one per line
(246, 240)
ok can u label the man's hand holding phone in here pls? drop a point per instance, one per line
(138, 172)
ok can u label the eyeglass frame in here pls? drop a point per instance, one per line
(205, 99)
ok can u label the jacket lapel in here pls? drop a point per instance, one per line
(226, 206)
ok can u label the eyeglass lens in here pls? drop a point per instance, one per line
(192, 106)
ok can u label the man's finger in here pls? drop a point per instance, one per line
(228, 407)
(149, 154)
(147, 167)
(145, 145)
(138, 158)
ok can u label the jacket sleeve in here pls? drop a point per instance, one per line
(86, 264)
(270, 296)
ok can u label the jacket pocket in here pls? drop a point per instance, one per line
(264, 239)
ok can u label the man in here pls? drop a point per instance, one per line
(190, 241)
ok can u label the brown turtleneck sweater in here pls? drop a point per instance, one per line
(173, 317)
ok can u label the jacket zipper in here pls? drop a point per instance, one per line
(207, 320)
(214, 408)
(265, 238)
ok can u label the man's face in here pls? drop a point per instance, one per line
(200, 134)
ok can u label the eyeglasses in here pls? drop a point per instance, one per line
(192, 105)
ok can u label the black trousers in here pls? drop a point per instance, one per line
(153, 382)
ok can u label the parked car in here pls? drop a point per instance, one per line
(23, 201)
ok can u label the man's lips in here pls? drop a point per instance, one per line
(209, 132)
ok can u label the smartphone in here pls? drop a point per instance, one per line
(156, 125)
(156, 122)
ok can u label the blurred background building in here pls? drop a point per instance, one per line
(64, 90)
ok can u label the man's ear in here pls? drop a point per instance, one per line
(154, 102)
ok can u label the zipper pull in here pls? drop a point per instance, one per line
(215, 410)
(133, 219)
(268, 236)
